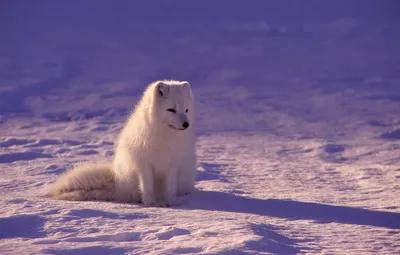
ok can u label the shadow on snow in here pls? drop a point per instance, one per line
(293, 210)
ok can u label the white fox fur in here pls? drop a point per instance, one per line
(155, 158)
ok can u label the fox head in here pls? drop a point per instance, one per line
(173, 104)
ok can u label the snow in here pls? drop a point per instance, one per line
(298, 108)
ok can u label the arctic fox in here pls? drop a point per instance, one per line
(155, 158)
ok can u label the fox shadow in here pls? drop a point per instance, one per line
(292, 210)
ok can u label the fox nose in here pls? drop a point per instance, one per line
(185, 125)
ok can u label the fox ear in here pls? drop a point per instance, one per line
(185, 83)
(187, 87)
(162, 89)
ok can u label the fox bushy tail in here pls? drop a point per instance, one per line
(85, 182)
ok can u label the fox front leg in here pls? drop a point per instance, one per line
(170, 187)
(146, 182)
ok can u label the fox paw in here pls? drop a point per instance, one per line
(156, 204)
(183, 193)
(164, 203)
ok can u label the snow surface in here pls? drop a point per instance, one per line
(298, 123)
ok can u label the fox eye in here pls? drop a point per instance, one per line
(171, 110)
(186, 110)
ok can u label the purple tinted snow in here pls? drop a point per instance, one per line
(88, 250)
(22, 156)
(24, 225)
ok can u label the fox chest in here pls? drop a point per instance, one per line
(163, 158)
